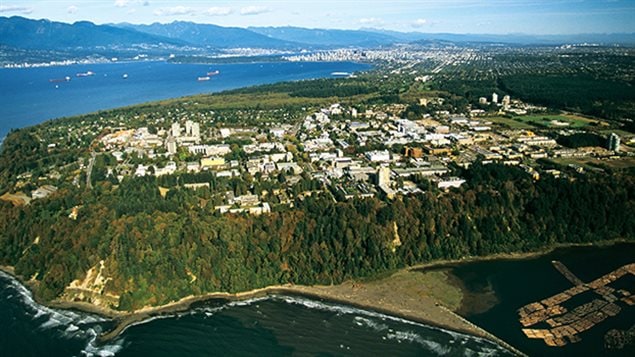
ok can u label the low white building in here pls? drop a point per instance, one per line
(378, 156)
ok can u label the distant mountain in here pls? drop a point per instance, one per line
(518, 39)
(324, 37)
(213, 35)
(19, 32)
(27, 40)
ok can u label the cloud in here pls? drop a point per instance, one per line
(71, 9)
(371, 21)
(253, 10)
(175, 10)
(420, 23)
(17, 9)
(218, 11)
(126, 3)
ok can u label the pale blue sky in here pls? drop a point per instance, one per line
(455, 16)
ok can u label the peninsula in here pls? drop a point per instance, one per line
(327, 188)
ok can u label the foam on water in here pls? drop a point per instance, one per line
(93, 349)
(377, 326)
(397, 335)
(413, 337)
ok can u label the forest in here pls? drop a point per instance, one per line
(153, 245)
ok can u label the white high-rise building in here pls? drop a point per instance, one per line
(188, 127)
(176, 129)
(614, 142)
(170, 145)
(494, 98)
(506, 100)
(195, 130)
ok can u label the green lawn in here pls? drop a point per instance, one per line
(621, 163)
(511, 123)
(533, 121)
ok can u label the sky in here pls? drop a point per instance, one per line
(451, 16)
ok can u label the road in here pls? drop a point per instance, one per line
(89, 170)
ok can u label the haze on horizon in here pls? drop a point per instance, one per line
(536, 17)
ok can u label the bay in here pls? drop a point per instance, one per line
(495, 290)
(29, 97)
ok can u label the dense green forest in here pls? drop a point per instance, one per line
(150, 244)
(604, 98)
(581, 93)
(579, 140)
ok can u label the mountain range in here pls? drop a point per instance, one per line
(19, 34)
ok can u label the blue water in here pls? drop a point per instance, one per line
(28, 97)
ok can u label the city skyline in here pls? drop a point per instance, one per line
(453, 16)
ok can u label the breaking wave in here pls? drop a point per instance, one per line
(65, 323)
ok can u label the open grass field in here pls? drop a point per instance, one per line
(511, 123)
(548, 121)
(589, 163)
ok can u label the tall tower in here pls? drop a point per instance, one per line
(176, 129)
(188, 128)
(170, 145)
(614, 142)
(494, 98)
(195, 130)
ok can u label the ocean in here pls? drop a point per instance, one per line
(274, 326)
(29, 97)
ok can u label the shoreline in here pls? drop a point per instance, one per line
(448, 263)
(427, 310)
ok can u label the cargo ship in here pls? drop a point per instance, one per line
(201, 79)
(85, 74)
(213, 73)
(55, 80)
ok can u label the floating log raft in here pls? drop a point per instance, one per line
(564, 325)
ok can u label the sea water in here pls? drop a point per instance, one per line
(29, 97)
(278, 325)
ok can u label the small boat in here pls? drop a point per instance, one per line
(125, 76)
(201, 79)
(213, 73)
